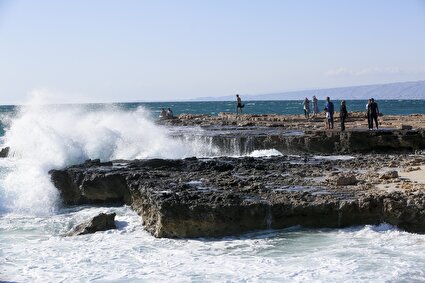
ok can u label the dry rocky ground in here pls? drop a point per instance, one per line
(355, 120)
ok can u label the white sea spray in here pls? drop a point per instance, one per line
(34, 250)
(43, 137)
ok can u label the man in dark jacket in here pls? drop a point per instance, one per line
(343, 114)
(373, 113)
(329, 107)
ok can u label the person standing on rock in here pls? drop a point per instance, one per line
(163, 114)
(373, 112)
(239, 104)
(368, 115)
(315, 106)
(306, 105)
(327, 120)
(343, 114)
(329, 106)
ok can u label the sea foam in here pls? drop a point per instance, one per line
(34, 251)
(43, 137)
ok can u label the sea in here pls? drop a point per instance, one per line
(33, 220)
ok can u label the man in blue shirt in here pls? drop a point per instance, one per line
(329, 107)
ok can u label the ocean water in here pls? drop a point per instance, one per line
(32, 219)
(292, 107)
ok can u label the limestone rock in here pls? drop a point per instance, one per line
(410, 169)
(389, 175)
(228, 196)
(101, 222)
(76, 187)
(346, 180)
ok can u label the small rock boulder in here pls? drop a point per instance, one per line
(4, 152)
(389, 175)
(346, 180)
(101, 222)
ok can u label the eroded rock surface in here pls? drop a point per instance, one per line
(101, 222)
(355, 120)
(227, 196)
(232, 141)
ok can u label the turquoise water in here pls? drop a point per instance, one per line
(389, 107)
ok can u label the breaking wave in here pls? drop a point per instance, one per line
(43, 137)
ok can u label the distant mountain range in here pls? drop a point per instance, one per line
(403, 90)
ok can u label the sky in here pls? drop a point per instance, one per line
(110, 51)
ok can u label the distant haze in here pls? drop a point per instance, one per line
(404, 90)
(166, 50)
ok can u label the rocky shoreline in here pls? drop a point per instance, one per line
(227, 196)
(355, 121)
(382, 180)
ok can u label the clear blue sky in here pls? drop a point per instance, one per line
(103, 51)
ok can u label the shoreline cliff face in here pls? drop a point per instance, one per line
(240, 142)
(228, 196)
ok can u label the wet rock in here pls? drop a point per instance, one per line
(101, 222)
(406, 127)
(227, 196)
(4, 152)
(89, 183)
(242, 141)
(389, 175)
(405, 211)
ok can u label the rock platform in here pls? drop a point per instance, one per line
(228, 196)
(224, 196)
(354, 121)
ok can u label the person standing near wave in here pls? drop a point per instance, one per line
(329, 107)
(315, 106)
(163, 114)
(343, 114)
(239, 104)
(373, 112)
(306, 104)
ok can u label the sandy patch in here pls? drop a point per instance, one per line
(391, 187)
(414, 176)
